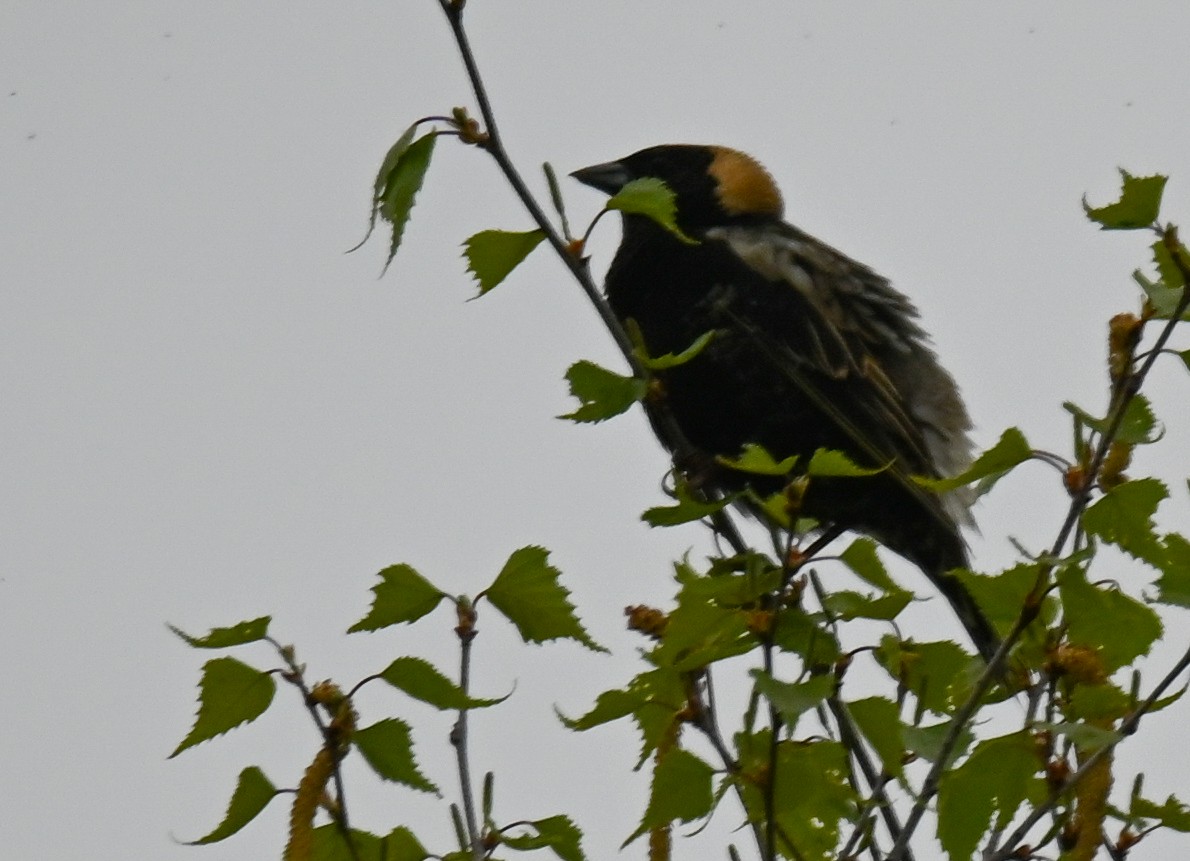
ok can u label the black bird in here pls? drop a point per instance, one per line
(811, 350)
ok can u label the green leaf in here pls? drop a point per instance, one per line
(847, 605)
(1138, 206)
(1124, 517)
(756, 460)
(811, 791)
(1138, 426)
(861, 557)
(805, 634)
(792, 700)
(1172, 814)
(230, 693)
(826, 462)
(996, 778)
(388, 748)
(653, 199)
(379, 184)
(422, 681)
(1098, 702)
(492, 254)
(402, 595)
(1165, 300)
(671, 360)
(401, 844)
(1002, 596)
(1184, 355)
(934, 672)
(529, 595)
(252, 794)
(1119, 627)
(557, 833)
(1167, 266)
(609, 706)
(1009, 451)
(687, 510)
(1174, 583)
(397, 183)
(1086, 737)
(221, 638)
(329, 844)
(681, 791)
(879, 721)
(602, 394)
(927, 741)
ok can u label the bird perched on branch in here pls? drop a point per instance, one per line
(812, 350)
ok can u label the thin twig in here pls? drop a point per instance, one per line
(458, 735)
(295, 675)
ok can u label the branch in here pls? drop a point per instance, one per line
(458, 735)
(295, 675)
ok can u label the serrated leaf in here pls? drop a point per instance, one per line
(847, 605)
(422, 681)
(1124, 517)
(252, 794)
(927, 741)
(602, 394)
(826, 462)
(492, 254)
(378, 185)
(793, 699)
(230, 693)
(1174, 584)
(609, 706)
(996, 778)
(861, 557)
(1167, 266)
(1086, 737)
(529, 595)
(1163, 299)
(686, 510)
(328, 843)
(221, 638)
(387, 746)
(934, 672)
(1098, 702)
(402, 595)
(1137, 426)
(556, 833)
(674, 360)
(1002, 596)
(401, 844)
(1119, 627)
(1009, 451)
(1172, 814)
(756, 460)
(1138, 206)
(879, 721)
(653, 199)
(681, 791)
(811, 791)
(400, 178)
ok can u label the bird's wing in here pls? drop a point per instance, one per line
(847, 316)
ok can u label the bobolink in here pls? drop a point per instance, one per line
(811, 350)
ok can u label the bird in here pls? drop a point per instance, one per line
(810, 350)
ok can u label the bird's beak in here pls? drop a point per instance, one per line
(608, 177)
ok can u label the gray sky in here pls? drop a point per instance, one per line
(210, 413)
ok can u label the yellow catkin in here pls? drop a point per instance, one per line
(305, 803)
(1091, 803)
(660, 838)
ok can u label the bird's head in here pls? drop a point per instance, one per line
(714, 185)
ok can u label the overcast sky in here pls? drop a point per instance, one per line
(210, 413)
